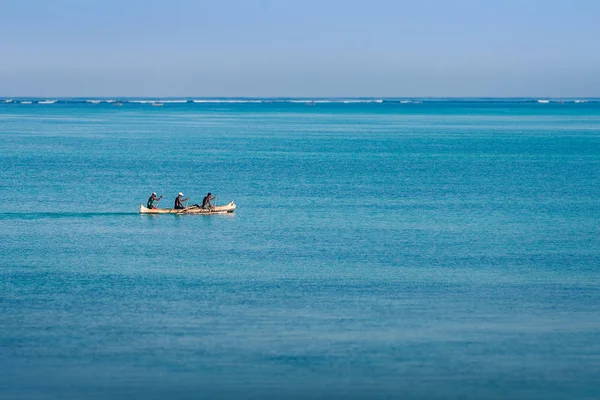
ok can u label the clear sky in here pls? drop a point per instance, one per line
(300, 48)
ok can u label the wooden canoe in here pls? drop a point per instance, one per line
(228, 208)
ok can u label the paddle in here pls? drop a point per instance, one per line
(186, 208)
(181, 210)
(211, 208)
(155, 205)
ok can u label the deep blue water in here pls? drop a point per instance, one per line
(428, 251)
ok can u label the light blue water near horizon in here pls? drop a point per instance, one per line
(431, 251)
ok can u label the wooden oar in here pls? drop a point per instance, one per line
(186, 208)
(176, 211)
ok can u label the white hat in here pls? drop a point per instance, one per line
(154, 193)
(180, 194)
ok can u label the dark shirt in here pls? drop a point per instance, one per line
(178, 202)
(150, 202)
(205, 201)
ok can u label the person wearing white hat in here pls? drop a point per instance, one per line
(179, 201)
(151, 201)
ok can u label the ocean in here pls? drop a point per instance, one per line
(433, 249)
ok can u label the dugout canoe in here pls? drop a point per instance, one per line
(228, 208)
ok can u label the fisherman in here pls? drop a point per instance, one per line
(179, 201)
(206, 201)
(151, 201)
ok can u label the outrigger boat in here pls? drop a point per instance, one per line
(228, 208)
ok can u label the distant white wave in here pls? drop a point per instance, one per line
(156, 101)
(305, 101)
(313, 101)
(228, 101)
(325, 101)
(349, 101)
(294, 101)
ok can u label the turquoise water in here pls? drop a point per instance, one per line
(429, 251)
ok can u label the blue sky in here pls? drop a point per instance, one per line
(300, 48)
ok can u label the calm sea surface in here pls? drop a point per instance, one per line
(441, 250)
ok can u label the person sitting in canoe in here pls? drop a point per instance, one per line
(179, 201)
(151, 201)
(206, 201)
(206, 204)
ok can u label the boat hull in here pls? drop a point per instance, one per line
(228, 208)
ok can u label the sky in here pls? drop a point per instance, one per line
(294, 48)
